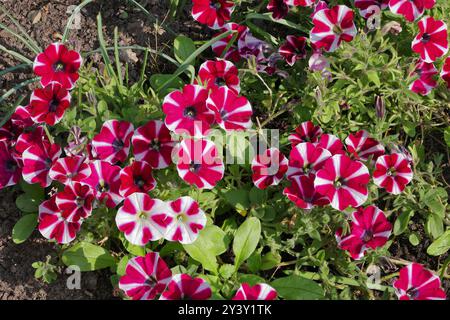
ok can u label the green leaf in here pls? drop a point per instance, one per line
(372, 75)
(209, 244)
(414, 239)
(33, 190)
(434, 225)
(298, 288)
(183, 47)
(88, 257)
(131, 248)
(447, 136)
(24, 228)
(270, 261)
(433, 200)
(257, 196)
(410, 128)
(246, 240)
(25, 203)
(401, 224)
(226, 271)
(122, 265)
(441, 245)
(171, 83)
(238, 199)
(251, 279)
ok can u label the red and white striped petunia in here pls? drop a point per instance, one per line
(269, 168)
(425, 81)
(32, 136)
(445, 73)
(186, 111)
(152, 143)
(184, 287)
(37, 162)
(368, 7)
(306, 158)
(220, 46)
(112, 144)
(21, 118)
(410, 9)
(232, 112)
(75, 202)
(331, 27)
(363, 147)
(48, 104)
(305, 132)
(58, 64)
(293, 49)
(70, 169)
(10, 171)
(105, 182)
(392, 172)
(199, 163)
(214, 74)
(417, 283)
(331, 143)
(185, 220)
(279, 8)
(142, 219)
(145, 277)
(136, 177)
(260, 291)
(369, 229)
(343, 181)
(303, 194)
(431, 42)
(300, 3)
(53, 225)
(213, 13)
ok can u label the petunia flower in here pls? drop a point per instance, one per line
(392, 172)
(300, 3)
(445, 73)
(145, 277)
(331, 27)
(318, 62)
(75, 202)
(293, 49)
(213, 13)
(410, 9)
(343, 181)
(214, 74)
(58, 64)
(331, 143)
(48, 104)
(369, 229)
(425, 81)
(361, 146)
(232, 112)
(70, 169)
(136, 177)
(306, 158)
(112, 144)
(37, 162)
(10, 171)
(199, 163)
(269, 168)
(184, 287)
(368, 7)
(431, 42)
(186, 111)
(260, 291)
(305, 132)
(303, 194)
(53, 225)
(279, 8)
(220, 46)
(152, 143)
(142, 219)
(417, 283)
(105, 181)
(185, 220)
(31, 136)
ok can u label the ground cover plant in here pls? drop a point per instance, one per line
(296, 154)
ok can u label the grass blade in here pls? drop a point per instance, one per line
(18, 36)
(16, 88)
(16, 55)
(116, 55)
(14, 68)
(268, 17)
(72, 16)
(103, 50)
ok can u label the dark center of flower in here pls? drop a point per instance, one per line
(194, 167)
(220, 82)
(338, 183)
(223, 115)
(181, 217)
(412, 293)
(142, 215)
(337, 30)
(11, 166)
(103, 186)
(79, 201)
(190, 112)
(48, 163)
(391, 172)
(150, 281)
(118, 145)
(215, 4)
(426, 37)
(58, 66)
(155, 144)
(53, 105)
(367, 236)
(139, 182)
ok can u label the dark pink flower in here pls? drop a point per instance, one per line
(425, 81)
(331, 143)
(184, 287)
(145, 277)
(300, 3)
(305, 132)
(279, 8)
(112, 144)
(369, 229)
(417, 283)
(431, 42)
(269, 168)
(10, 171)
(70, 169)
(136, 177)
(75, 202)
(293, 49)
(260, 291)
(445, 73)
(306, 158)
(214, 74)
(58, 64)
(303, 194)
(199, 163)
(343, 181)
(332, 26)
(362, 147)
(47, 105)
(37, 162)
(233, 51)
(213, 13)
(368, 7)
(392, 172)
(410, 9)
